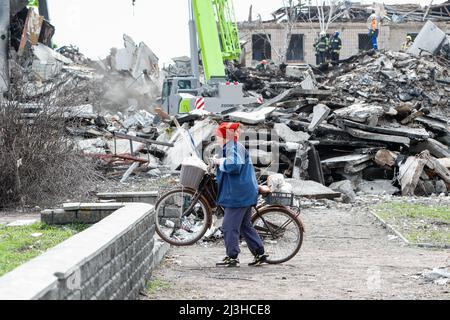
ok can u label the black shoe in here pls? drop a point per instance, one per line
(228, 262)
(259, 260)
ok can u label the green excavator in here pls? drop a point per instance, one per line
(213, 26)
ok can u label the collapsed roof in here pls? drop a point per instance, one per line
(352, 11)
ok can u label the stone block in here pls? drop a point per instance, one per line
(63, 217)
(88, 216)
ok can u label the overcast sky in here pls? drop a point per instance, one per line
(95, 26)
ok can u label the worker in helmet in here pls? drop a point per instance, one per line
(409, 41)
(322, 46)
(372, 25)
(262, 66)
(335, 48)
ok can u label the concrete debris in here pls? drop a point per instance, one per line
(277, 183)
(377, 187)
(345, 187)
(312, 189)
(377, 122)
(288, 135)
(439, 276)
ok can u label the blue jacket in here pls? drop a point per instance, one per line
(236, 178)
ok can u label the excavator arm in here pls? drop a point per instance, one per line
(208, 38)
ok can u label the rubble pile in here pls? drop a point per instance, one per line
(379, 123)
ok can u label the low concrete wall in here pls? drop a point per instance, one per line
(87, 213)
(141, 196)
(112, 259)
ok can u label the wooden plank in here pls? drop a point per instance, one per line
(436, 166)
(419, 134)
(409, 174)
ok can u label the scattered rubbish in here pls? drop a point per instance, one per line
(440, 276)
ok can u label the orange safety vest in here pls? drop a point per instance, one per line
(374, 24)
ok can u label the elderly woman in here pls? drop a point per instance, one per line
(238, 193)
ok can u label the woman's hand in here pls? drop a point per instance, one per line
(264, 190)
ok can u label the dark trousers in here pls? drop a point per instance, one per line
(335, 57)
(373, 35)
(322, 57)
(237, 222)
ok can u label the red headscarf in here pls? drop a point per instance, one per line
(229, 130)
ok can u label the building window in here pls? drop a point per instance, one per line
(261, 47)
(295, 50)
(364, 42)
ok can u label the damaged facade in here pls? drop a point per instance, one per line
(397, 21)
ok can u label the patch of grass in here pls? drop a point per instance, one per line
(21, 244)
(417, 222)
(155, 285)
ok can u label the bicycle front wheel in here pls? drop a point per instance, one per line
(281, 232)
(182, 218)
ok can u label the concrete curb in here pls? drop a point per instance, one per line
(397, 233)
(160, 250)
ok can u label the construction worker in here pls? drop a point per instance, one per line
(372, 25)
(409, 41)
(262, 66)
(322, 47)
(335, 48)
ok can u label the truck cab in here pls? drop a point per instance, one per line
(185, 94)
(175, 91)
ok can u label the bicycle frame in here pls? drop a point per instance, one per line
(208, 188)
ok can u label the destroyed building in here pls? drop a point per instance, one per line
(268, 39)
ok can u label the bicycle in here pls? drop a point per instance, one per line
(185, 214)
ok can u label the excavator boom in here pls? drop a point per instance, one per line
(209, 39)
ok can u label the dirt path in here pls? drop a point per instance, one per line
(345, 255)
(8, 217)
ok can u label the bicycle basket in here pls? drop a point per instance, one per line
(192, 173)
(280, 198)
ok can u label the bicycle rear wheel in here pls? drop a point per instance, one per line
(281, 232)
(180, 221)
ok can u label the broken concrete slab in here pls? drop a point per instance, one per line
(435, 148)
(312, 189)
(378, 136)
(288, 135)
(436, 166)
(346, 188)
(320, 113)
(360, 112)
(434, 124)
(428, 40)
(412, 133)
(92, 146)
(341, 162)
(445, 162)
(377, 187)
(253, 117)
(48, 55)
